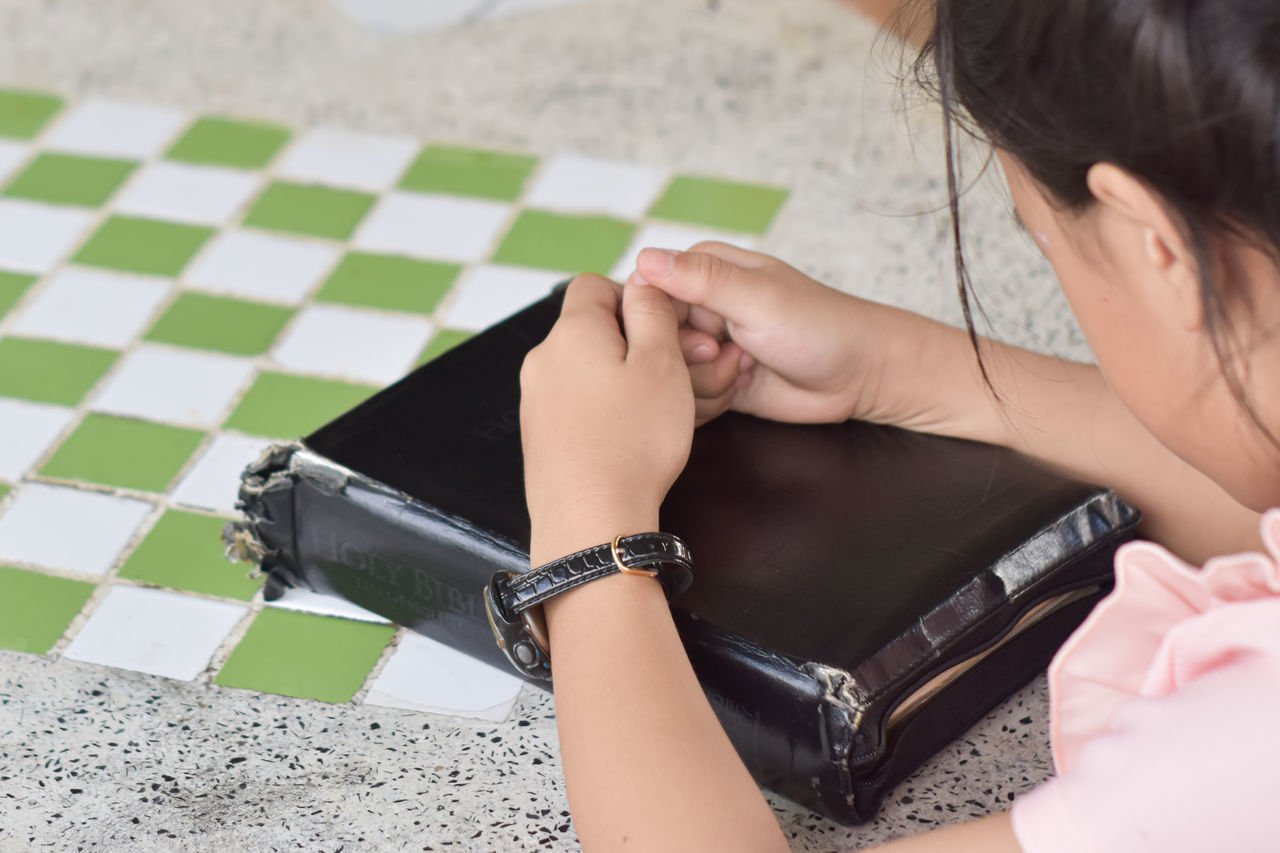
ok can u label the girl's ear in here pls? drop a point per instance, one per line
(1153, 237)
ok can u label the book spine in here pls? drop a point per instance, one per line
(312, 523)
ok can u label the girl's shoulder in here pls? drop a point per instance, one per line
(1166, 624)
(1163, 712)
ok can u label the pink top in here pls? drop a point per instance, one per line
(1165, 712)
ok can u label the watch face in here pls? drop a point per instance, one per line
(523, 640)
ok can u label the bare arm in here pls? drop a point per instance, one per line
(1064, 413)
(646, 762)
(647, 765)
(820, 355)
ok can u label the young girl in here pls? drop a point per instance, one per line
(1141, 143)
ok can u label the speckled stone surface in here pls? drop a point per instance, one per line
(788, 91)
(118, 760)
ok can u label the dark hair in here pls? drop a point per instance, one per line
(1182, 94)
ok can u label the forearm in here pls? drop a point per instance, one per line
(1065, 414)
(646, 763)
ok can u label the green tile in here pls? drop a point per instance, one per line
(123, 452)
(184, 551)
(720, 204)
(12, 286)
(283, 406)
(23, 114)
(217, 323)
(50, 372)
(302, 209)
(469, 171)
(224, 142)
(307, 656)
(444, 340)
(36, 609)
(385, 281)
(571, 244)
(68, 179)
(143, 245)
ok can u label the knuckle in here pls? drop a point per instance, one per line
(651, 303)
(721, 274)
(589, 279)
(713, 272)
(578, 288)
(531, 366)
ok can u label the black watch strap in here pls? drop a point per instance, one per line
(513, 600)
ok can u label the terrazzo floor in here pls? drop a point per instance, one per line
(182, 232)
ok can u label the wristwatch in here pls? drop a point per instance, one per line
(513, 600)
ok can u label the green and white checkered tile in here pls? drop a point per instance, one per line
(177, 291)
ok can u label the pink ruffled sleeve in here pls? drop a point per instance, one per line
(1165, 712)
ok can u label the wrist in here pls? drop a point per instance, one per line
(932, 370)
(575, 529)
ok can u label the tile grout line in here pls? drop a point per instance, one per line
(107, 580)
(43, 280)
(231, 641)
(162, 502)
(358, 698)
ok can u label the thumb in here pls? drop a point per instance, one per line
(649, 322)
(745, 296)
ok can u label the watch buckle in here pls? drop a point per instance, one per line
(616, 550)
(524, 639)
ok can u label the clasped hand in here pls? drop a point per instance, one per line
(606, 415)
(610, 399)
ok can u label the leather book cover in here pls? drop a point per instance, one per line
(861, 596)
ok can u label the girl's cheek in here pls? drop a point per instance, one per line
(1043, 240)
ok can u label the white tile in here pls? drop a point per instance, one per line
(571, 184)
(491, 293)
(424, 675)
(12, 155)
(26, 432)
(343, 158)
(113, 128)
(155, 631)
(309, 601)
(433, 226)
(184, 387)
(92, 307)
(671, 237)
(213, 483)
(66, 528)
(261, 266)
(202, 195)
(347, 343)
(34, 236)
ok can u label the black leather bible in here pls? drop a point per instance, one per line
(861, 595)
